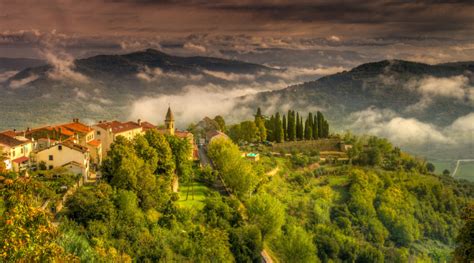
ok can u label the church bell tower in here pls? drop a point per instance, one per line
(169, 121)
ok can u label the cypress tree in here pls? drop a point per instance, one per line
(320, 124)
(315, 127)
(285, 128)
(297, 125)
(292, 127)
(259, 114)
(279, 133)
(308, 128)
(301, 128)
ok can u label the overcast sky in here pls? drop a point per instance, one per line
(428, 31)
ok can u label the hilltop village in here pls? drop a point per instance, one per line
(75, 146)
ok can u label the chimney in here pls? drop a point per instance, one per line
(139, 121)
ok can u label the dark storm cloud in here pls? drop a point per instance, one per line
(431, 31)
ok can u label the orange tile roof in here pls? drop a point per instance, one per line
(9, 133)
(77, 127)
(118, 127)
(95, 143)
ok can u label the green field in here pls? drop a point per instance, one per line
(465, 171)
(441, 165)
(196, 193)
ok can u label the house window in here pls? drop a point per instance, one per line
(98, 133)
(60, 147)
(50, 157)
(22, 150)
(50, 167)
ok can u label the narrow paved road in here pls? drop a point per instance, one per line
(458, 163)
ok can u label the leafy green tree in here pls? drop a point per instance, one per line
(221, 122)
(237, 173)
(26, 231)
(235, 133)
(181, 151)
(430, 167)
(270, 126)
(91, 204)
(446, 172)
(246, 243)
(296, 245)
(122, 166)
(166, 164)
(248, 131)
(267, 213)
(464, 251)
(146, 152)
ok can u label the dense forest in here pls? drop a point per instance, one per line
(383, 205)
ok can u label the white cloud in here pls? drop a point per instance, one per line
(462, 129)
(192, 105)
(402, 131)
(195, 47)
(63, 66)
(230, 76)
(457, 88)
(21, 82)
(293, 73)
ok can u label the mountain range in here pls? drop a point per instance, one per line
(424, 101)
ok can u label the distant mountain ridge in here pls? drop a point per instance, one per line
(388, 84)
(131, 64)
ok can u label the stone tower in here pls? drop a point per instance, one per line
(169, 121)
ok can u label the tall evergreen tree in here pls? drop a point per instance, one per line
(315, 127)
(301, 128)
(308, 128)
(320, 118)
(279, 133)
(298, 126)
(285, 128)
(260, 123)
(259, 114)
(291, 126)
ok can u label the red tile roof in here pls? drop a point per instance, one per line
(118, 127)
(147, 126)
(21, 159)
